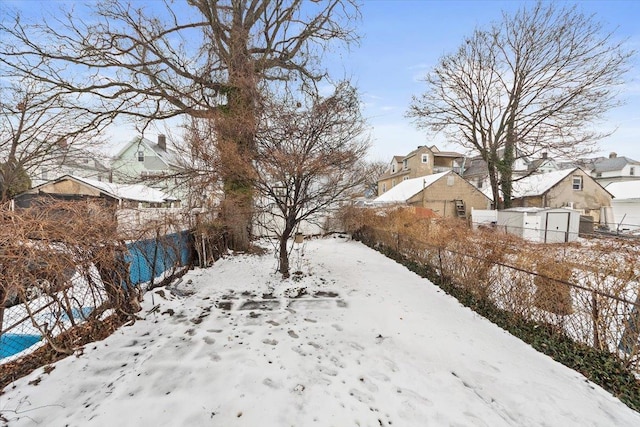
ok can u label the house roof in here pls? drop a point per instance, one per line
(447, 154)
(624, 189)
(135, 192)
(168, 156)
(409, 188)
(536, 185)
(613, 164)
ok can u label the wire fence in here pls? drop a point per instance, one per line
(588, 291)
(63, 266)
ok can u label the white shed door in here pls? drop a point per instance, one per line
(531, 229)
(557, 227)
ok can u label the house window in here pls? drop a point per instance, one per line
(393, 182)
(425, 158)
(393, 167)
(405, 178)
(384, 187)
(598, 174)
(632, 170)
(141, 156)
(480, 183)
(44, 175)
(405, 164)
(577, 183)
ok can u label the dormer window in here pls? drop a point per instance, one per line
(393, 167)
(405, 164)
(141, 156)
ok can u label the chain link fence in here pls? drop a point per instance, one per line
(62, 266)
(588, 291)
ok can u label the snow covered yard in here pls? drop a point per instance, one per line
(368, 343)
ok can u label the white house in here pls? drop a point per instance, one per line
(65, 160)
(625, 205)
(614, 169)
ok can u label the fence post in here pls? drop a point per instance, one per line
(594, 317)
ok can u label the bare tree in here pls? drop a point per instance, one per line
(309, 161)
(208, 59)
(39, 128)
(373, 171)
(535, 82)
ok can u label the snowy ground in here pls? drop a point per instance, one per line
(378, 346)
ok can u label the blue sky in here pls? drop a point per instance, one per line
(402, 39)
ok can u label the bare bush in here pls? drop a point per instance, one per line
(587, 291)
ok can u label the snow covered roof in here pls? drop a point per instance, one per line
(137, 192)
(624, 189)
(535, 185)
(409, 188)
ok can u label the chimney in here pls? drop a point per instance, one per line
(613, 155)
(162, 142)
(544, 155)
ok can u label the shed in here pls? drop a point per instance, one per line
(551, 225)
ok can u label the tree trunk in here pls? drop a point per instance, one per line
(236, 143)
(283, 259)
(492, 167)
(506, 169)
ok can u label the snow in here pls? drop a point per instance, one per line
(380, 346)
(409, 188)
(535, 185)
(137, 192)
(624, 190)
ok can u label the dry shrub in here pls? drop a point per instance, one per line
(552, 291)
(60, 264)
(585, 290)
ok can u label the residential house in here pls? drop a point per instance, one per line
(571, 188)
(475, 169)
(625, 205)
(615, 169)
(69, 160)
(445, 193)
(544, 164)
(155, 164)
(422, 161)
(135, 206)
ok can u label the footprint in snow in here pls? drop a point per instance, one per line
(337, 327)
(209, 340)
(271, 383)
(356, 346)
(361, 396)
(292, 334)
(327, 371)
(366, 383)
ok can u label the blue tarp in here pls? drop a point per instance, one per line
(150, 258)
(11, 344)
